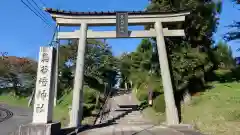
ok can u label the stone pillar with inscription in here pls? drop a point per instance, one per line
(42, 122)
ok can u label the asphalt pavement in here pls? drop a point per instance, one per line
(19, 116)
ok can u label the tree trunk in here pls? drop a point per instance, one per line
(131, 84)
(186, 97)
(126, 87)
(97, 101)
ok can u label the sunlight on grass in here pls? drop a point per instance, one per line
(156, 118)
(151, 114)
(216, 111)
(14, 101)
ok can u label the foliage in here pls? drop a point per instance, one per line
(19, 73)
(236, 73)
(190, 57)
(99, 69)
(142, 95)
(224, 76)
(99, 64)
(233, 33)
(223, 56)
(159, 104)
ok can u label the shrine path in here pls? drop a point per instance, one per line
(125, 119)
(19, 116)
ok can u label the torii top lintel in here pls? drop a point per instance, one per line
(70, 18)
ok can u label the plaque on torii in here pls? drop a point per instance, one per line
(122, 24)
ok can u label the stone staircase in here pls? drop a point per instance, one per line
(124, 110)
(125, 118)
(133, 118)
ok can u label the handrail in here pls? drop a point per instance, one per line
(103, 106)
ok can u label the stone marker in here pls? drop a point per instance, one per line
(44, 97)
(44, 94)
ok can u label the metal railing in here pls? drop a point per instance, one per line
(102, 110)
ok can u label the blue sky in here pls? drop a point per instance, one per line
(22, 33)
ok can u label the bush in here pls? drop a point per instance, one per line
(87, 109)
(142, 94)
(236, 73)
(224, 75)
(89, 95)
(159, 104)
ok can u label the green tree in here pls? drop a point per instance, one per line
(99, 64)
(18, 72)
(191, 55)
(234, 33)
(223, 55)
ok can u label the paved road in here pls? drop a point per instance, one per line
(20, 116)
(5, 114)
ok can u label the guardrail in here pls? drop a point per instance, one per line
(103, 107)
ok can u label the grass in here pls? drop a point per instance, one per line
(153, 116)
(216, 111)
(15, 101)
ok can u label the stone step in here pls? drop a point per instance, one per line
(130, 121)
(133, 117)
(129, 114)
(131, 130)
(133, 123)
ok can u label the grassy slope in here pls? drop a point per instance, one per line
(156, 118)
(11, 100)
(216, 111)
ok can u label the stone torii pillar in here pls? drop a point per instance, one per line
(171, 110)
(77, 101)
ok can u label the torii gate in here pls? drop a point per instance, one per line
(122, 20)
